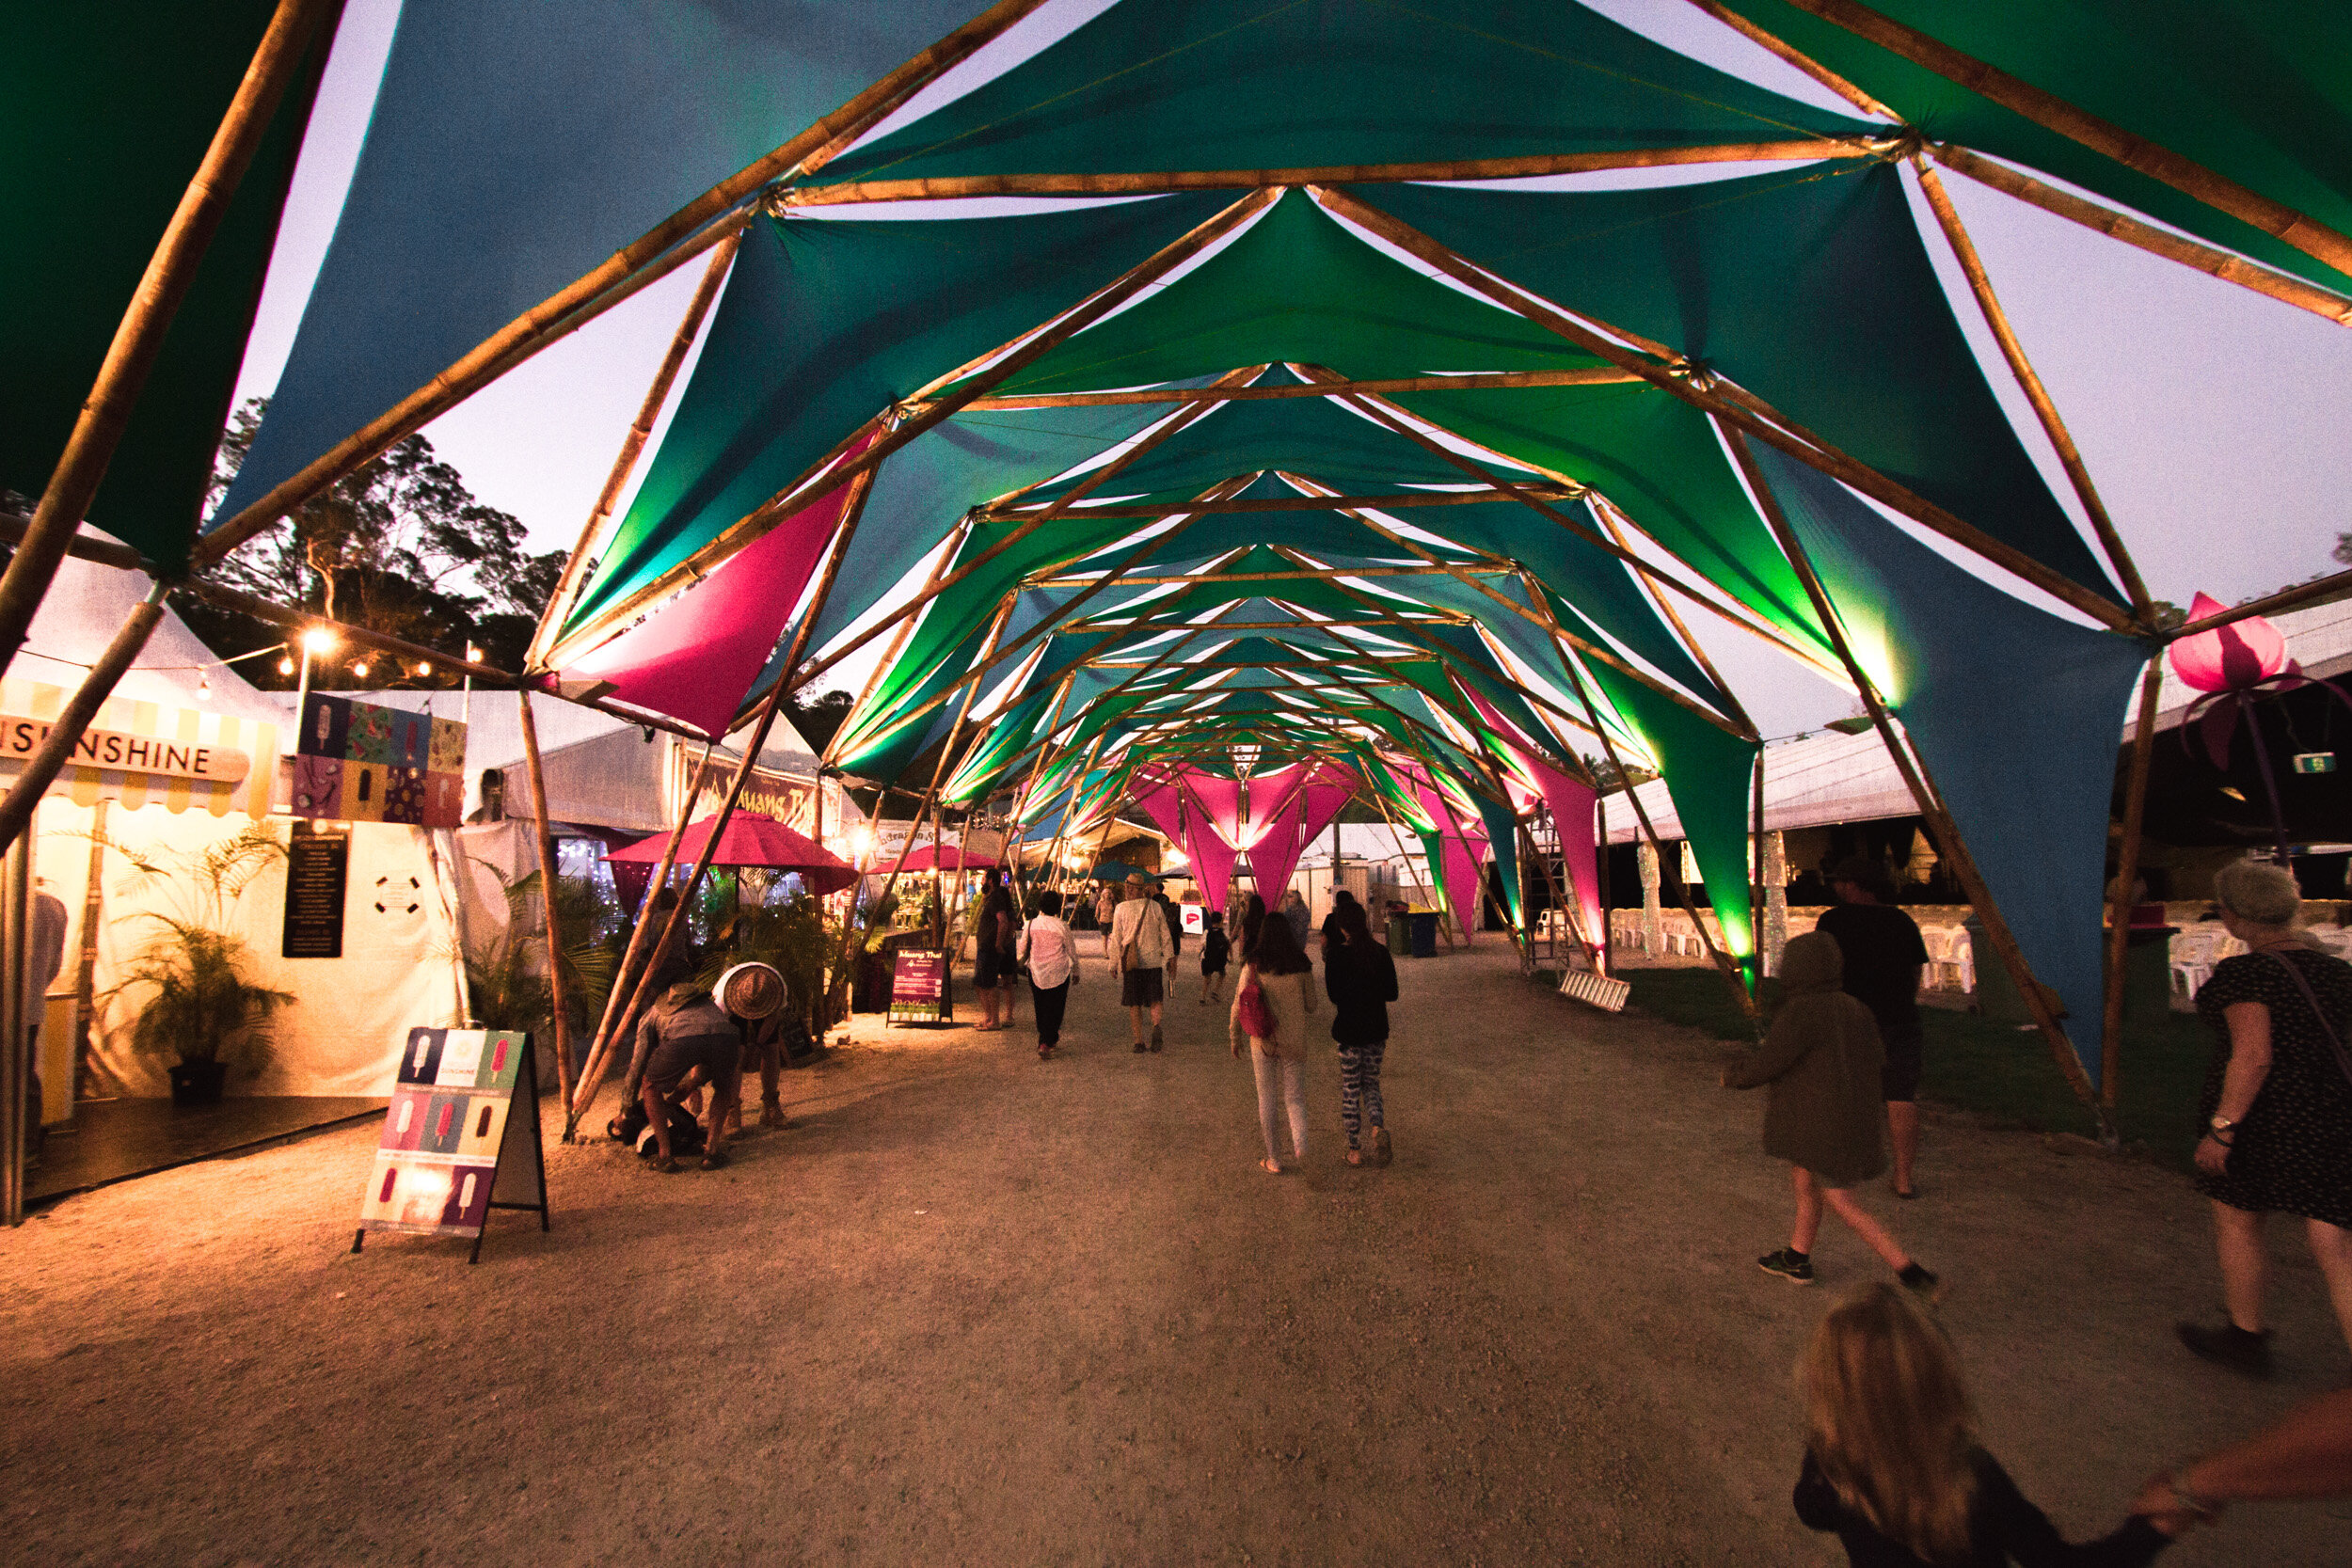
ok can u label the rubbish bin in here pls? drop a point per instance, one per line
(1399, 934)
(1424, 933)
(2148, 972)
(1998, 996)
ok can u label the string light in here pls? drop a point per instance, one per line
(319, 639)
(360, 668)
(203, 689)
(285, 666)
(423, 670)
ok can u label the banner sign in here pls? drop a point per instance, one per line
(918, 986)
(356, 762)
(461, 1138)
(138, 752)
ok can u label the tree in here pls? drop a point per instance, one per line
(401, 546)
(819, 718)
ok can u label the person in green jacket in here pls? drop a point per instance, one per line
(1824, 1115)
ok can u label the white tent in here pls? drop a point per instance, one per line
(1816, 780)
(343, 1034)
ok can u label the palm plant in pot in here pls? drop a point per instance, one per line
(201, 1005)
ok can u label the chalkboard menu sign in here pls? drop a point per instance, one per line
(318, 867)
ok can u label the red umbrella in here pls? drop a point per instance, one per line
(751, 840)
(950, 857)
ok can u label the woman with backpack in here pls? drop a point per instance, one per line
(2276, 1108)
(1361, 978)
(1271, 1005)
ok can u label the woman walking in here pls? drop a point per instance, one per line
(1272, 1001)
(1360, 977)
(1105, 905)
(1825, 1116)
(2277, 1108)
(992, 965)
(1052, 953)
(1892, 1464)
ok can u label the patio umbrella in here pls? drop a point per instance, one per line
(948, 857)
(752, 840)
(1118, 871)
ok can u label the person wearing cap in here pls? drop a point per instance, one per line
(753, 995)
(1884, 957)
(688, 1041)
(1139, 956)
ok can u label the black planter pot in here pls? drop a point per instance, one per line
(197, 1083)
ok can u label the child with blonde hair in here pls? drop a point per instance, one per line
(1891, 1460)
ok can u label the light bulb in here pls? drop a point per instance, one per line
(318, 640)
(203, 689)
(360, 668)
(423, 670)
(285, 666)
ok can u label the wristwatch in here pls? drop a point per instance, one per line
(2221, 1124)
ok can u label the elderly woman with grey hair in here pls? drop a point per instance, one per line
(2276, 1108)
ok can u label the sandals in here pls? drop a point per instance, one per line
(667, 1167)
(715, 1160)
(1381, 1152)
(1355, 1156)
(1272, 1168)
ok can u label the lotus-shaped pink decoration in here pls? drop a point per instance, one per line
(2234, 665)
(2233, 658)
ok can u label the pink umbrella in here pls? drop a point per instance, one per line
(752, 840)
(948, 857)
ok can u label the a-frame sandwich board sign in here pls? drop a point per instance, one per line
(461, 1137)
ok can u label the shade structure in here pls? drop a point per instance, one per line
(1118, 871)
(749, 839)
(1289, 437)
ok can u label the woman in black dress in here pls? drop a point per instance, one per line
(2277, 1108)
(1361, 978)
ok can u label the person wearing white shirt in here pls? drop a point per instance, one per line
(1140, 955)
(1052, 953)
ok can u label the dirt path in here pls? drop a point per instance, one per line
(983, 1309)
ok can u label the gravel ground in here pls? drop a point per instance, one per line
(977, 1306)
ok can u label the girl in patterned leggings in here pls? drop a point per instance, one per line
(1360, 979)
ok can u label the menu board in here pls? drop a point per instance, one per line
(461, 1138)
(918, 986)
(356, 762)
(318, 867)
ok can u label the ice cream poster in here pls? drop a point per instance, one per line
(460, 1137)
(359, 762)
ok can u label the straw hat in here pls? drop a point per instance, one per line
(751, 990)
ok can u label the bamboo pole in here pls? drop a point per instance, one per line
(592, 1071)
(2053, 425)
(65, 732)
(678, 239)
(840, 464)
(546, 895)
(1803, 62)
(2214, 262)
(965, 187)
(2333, 586)
(1735, 407)
(1396, 502)
(684, 910)
(1922, 792)
(139, 337)
(2052, 113)
(2126, 872)
(1599, 375)
(639, 432)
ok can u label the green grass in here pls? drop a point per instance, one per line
(2000, 1074)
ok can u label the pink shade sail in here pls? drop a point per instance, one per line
(749, 839)
(1269, 792)
(1275, 855)
(2232, 657)
(1320, 803)
(1212, 861)
(1164, 807)
(1219, 803)
(695, 656)
(1460, 874)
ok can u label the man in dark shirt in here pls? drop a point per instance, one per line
(1175, 923)
(1885, 959)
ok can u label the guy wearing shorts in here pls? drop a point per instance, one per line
(688, 1042)
(1140, 955)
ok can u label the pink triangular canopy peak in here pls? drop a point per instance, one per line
(695, 656)
(2231, 658)
(1275, 855)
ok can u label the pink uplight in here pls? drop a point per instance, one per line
(2232, 657)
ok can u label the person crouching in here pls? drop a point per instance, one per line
(1825, 1116)
(688, 1040)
